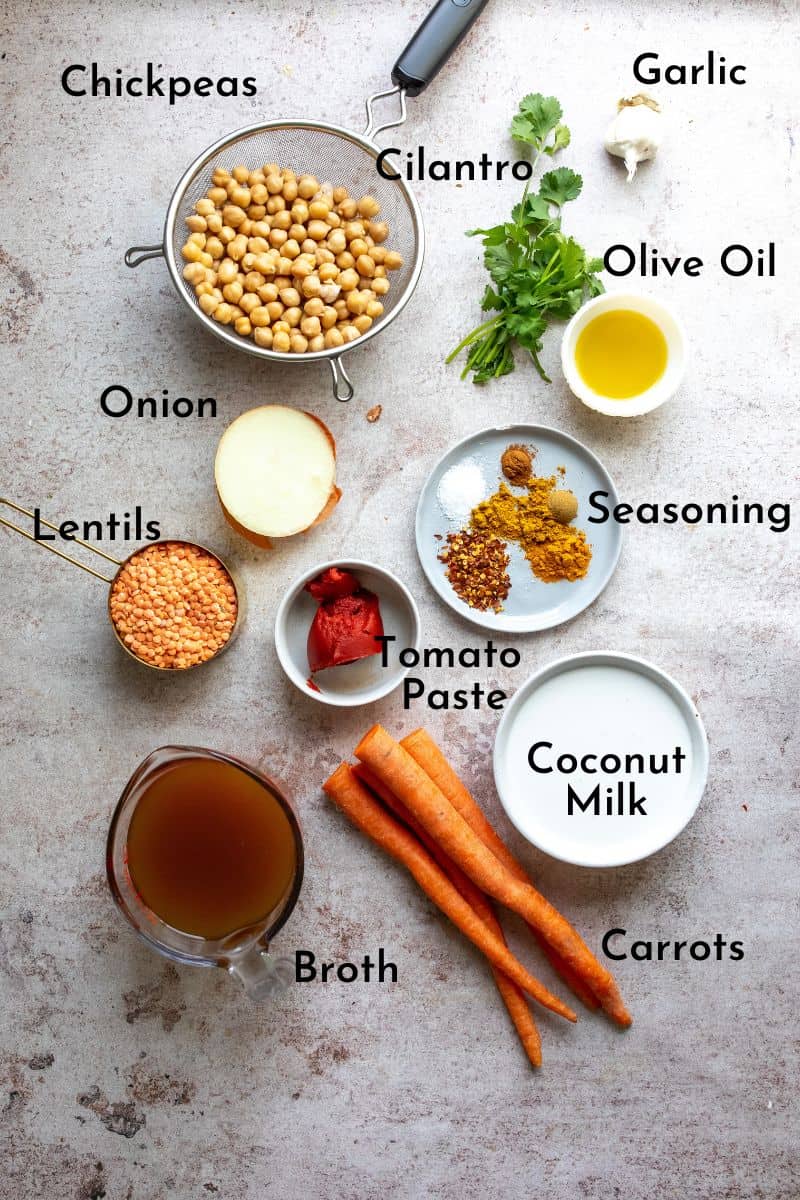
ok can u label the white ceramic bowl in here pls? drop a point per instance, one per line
(662, 389)
(603, 705)
(360, 682)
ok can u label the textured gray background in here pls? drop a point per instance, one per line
(418, 1089)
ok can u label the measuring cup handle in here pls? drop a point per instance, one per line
(342, 387)
(434, 42)
(261, 975)
(135, 255)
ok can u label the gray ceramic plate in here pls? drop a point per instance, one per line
(531, 605)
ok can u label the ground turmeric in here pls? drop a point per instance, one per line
(554, 551)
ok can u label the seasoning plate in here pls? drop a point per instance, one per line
(531, 605)
(606, 721)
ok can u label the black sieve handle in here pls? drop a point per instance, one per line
(434, 42)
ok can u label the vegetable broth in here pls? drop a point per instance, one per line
(210, 849)
(621, 354)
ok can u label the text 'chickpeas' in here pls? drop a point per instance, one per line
(296, 265)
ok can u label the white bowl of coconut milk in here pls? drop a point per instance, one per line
(600, 759)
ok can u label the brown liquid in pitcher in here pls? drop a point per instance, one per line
(210, 850)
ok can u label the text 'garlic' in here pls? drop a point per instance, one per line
(635, 133)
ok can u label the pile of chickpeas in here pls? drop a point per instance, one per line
(296, 265)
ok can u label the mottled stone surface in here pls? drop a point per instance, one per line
(126, 1077)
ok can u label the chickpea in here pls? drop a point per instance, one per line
(307, 186)
(340, 306)
(350, 333)
(199, 239)
(276, 204)
(290, 249)
(282, 220)
(217, 196)
(348, 279)
(393, 260)
(318, 210)
(293, 316)
(233, 215)
(298, 343)
(259, 193)
(271, 169)
(268, 293)
(261, 228)
(249, 301)
(233, 292)
(339, 194)
(248, 261)
(193, 254)
(365, 265)
(329, 292)
(337, 242)
(328, 317)
(290, 191)
(302, 268)
(327, 272)
(274, 310)
(263, 338)
(378, 230)
(380, 286)
(308, 246)
(256, 177)
(281, 327)
(374, 309)
(298, 232)
(289, 296)
(311, 286)
(323, 255)
(314, 307)
(226, 234)
(363, 323)
(310, 326)
(238, 247)
(265, 264)
(354, 229)
(287, 173)
(246, 227)
(333, 338)
(345, 260)
(354, 300)
(277, 237)
(196, 223)
(214, 222)
(318, 230)
(299, 212)
(381, 272)
(284, 267)
(224, 314)
(242, 326)
(204, 207)
(220, 177)
(194, 273)
(274, 183)
(256, 212)
(377, 254)
(241, 174)
(368, 206)
(282, 342)
(215, 247)
(260, 318)
(348, 209)
(208, 304)
(257, 245)
(204, 289)
(316, 343)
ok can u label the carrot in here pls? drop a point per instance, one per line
(400, 772)
(512, 996)
(350, 795)
(424, 750)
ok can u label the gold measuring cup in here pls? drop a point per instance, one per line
(120, 563)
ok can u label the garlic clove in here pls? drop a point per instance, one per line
(635, 133)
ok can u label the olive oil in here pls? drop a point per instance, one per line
(210, 849)
(621, 354)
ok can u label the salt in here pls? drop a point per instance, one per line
(460, 489)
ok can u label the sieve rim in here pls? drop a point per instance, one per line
(175, 267)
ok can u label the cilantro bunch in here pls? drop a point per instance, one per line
(538, 274)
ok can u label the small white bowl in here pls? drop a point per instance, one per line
(672, 329)
(360, 682)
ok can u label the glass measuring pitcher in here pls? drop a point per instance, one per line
(205, 860)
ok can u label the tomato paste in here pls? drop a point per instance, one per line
(346, 623)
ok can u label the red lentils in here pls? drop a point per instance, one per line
(173, 605)
(477, 568)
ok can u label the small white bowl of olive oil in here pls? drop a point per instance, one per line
(624, 354)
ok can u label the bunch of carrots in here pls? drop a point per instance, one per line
(407, 798)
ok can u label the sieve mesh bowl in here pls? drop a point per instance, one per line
(334, 155)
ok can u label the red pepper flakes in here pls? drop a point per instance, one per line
(477, 568)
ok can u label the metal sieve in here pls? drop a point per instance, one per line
(120, 563)
(336, 155)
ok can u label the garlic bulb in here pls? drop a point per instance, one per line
(635, 133)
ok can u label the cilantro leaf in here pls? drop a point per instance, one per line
(538, 116)
(560, 185)
(561, 139)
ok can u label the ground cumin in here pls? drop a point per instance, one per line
(555, 551)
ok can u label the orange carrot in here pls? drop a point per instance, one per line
(512, 996)
(424, 750)
(350, 795)
(399, 771)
